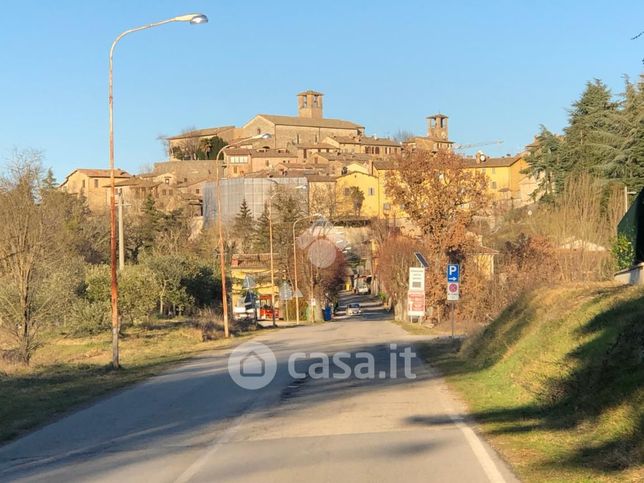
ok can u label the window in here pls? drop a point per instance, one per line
(170, 192)
(185, 180)
(386, 206)
(166, 180)
(347, 191)
(234, 169)
(297, 139)
(304, 101)
(196, 191)
(371, 191)
(83, 184)
(164, 192)
(493, 185)
(268, 163)
(315, 101)
(259, 130)
(493, 170)
(239, 159)
(95, 183)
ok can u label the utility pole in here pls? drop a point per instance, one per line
(270, 240)
(121, 233)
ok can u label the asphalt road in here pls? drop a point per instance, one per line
(195, 424)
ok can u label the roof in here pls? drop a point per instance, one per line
(272, 153)
(384, 165)
(318, 178)
(315, 146)
(370, 140)
(315, 93)
(191, 183)
(436, 115)
(101, 173)
(134, 181)
(212, 131)
(491, 162)
(310, 122)
(346, 157)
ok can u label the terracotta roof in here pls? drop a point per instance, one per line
(315, 146)
(491, 162)
(370, 140)
(134, 181)
(310, 122)
(272, 153)
(384, 165)
(319, 178)
(237, 151)
(346, 157)
(190, 183)
(101, 173)
(212, 131)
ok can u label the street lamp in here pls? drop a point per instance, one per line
(222, 258)
(297, 299)
(193, 18)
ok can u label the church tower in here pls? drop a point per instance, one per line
(437, 127)
(309, 104)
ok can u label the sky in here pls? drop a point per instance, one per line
(498, 69)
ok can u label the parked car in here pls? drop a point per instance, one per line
(363, 289)
(353, 309)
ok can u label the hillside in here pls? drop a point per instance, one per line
(556, 383)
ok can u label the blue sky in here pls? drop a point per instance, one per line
(498, 69)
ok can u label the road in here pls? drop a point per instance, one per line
(195, 424)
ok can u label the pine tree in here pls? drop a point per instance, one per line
(628, 165)
(261, 242)
(545, 163)
(49, 182)
(244, 227)
(593, 137)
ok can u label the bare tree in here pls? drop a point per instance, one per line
(35, 285)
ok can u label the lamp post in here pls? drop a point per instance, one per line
(297, 299)
(222, 257)
(194, 18)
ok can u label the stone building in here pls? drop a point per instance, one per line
(92, 184)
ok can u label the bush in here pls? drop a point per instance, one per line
(88, 318)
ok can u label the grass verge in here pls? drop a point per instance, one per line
(67, 372)
(556, 383)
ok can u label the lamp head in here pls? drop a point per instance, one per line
(193, 18)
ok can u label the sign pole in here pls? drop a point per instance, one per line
(453, 316)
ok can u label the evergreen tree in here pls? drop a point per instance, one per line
(628, 165)
(545, 163)
(244, 227)
(49, 182)
(593, 137)
(261, 242)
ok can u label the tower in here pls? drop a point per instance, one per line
(437, 127)
(309, 104)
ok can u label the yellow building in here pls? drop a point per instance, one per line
(253, 265)
(92, 184)
(506, 180)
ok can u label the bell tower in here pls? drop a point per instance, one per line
(309, 104)
(437, 127)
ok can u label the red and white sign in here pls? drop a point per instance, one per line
(453, 290)
(415, 303)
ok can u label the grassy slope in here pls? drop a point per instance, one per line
(556, 383)
(67, 372)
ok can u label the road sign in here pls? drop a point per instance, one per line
(421, 259)
(453, 272)
(249, 282)
(415, 303)
(453, 291)
(416, 279)
(298, 294)
(286, 292)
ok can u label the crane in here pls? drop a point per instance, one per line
(460, 147)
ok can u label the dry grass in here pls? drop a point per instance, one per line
(67, 372)
(556, 383)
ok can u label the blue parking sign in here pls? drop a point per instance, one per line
(453, 272)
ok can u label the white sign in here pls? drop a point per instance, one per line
(416, 279)
(453, 290)
(415, 303)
